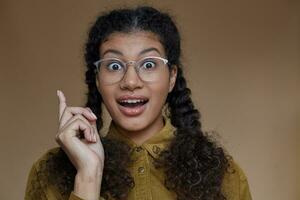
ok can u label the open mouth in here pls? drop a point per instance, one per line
(131, 103)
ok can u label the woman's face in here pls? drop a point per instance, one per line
(134, 46)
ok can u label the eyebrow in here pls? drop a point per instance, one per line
(142, 52)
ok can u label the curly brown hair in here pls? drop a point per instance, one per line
(194, 164)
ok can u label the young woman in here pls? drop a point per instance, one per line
(155, 148)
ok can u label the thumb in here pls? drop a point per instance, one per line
(94, 127)
(94, 124)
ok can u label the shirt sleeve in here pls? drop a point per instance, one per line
(244, 191)
(235, 184)
(34, 188)
(73, 196)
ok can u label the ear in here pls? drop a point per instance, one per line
(173, 75)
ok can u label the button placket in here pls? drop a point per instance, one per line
(138, 154)
(141, 170)
(142, 174)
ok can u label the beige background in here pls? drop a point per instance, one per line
(242, 62)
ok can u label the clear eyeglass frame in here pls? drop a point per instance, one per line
(125, 64)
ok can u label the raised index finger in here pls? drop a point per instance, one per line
(62, 103)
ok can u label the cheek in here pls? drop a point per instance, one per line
(160, 92)
(107, 97)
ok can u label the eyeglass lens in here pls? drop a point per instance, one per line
(148, 69)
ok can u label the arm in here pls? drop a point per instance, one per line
(235, 185)
(36, 188)
(87, 153)
(73, 196)
(244, 191)
(88, 184)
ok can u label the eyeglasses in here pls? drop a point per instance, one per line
(149, 69)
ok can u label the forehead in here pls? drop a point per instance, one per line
(132, 43)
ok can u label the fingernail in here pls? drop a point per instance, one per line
(57, 92)
(94, 115)
(95, 138)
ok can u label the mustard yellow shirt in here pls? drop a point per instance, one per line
(149, 181)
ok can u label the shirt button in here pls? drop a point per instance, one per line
(141, 170)
(138, 149)
(155, 149)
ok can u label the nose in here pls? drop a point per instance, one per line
(131, 79)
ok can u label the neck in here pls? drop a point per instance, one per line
(140, 136)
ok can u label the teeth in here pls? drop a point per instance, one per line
(132, 101)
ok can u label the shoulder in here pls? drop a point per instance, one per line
(37, 186)
(235, 184)
(38, 167)
(45, 157)
(234, 170)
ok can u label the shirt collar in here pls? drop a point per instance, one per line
(154, 145)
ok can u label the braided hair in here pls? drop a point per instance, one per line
(194, 165)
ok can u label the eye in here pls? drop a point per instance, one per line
(114, 66)
(148, 64)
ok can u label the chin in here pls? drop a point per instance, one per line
(133, 124)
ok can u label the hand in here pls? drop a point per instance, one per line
(86, 154)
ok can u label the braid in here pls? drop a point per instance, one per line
(182, 106)
(194, 166)
(94, 99)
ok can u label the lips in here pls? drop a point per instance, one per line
(131, 105)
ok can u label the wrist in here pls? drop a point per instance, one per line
(88, 183)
